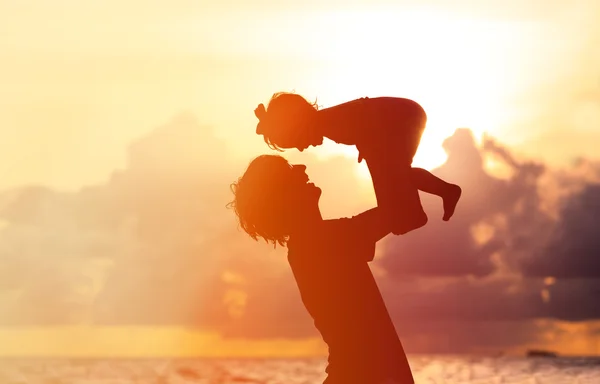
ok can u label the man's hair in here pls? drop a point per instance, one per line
(260, 199)
(285, 111)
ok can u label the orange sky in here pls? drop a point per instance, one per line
(81, 81)
(84, 341)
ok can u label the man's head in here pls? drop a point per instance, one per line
(273, 198)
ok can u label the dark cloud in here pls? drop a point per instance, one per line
(493, 299)
(573, 300)
(573, 250)
(495, 216)
(451, 336)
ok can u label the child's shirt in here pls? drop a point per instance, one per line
(375, 123)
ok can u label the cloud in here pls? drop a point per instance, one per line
(493, 299)
(573, 248)
(156, 245)
(451, 336)
(153, 245)
(494, 217)
(145, 235)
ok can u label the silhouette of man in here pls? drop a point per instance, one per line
(274, 200)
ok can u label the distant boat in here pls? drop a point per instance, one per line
(541, 353)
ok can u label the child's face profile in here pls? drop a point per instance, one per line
(299, 139)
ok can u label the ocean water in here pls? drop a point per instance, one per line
(427, 370)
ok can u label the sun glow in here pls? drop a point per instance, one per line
(459, 70)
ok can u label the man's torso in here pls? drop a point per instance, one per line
(340, 293)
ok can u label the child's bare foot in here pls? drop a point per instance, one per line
(450, 201)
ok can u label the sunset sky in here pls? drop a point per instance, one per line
(122, 124)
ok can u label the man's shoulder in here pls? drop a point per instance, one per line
(333, 240)
(324, 231)
(346, 237)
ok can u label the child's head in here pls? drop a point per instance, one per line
(272, 197)
(288, 122)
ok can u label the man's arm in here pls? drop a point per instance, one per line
(360, 233)
(371, 225)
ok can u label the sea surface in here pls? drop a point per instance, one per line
(427, 370)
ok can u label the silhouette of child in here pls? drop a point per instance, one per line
(385, 130)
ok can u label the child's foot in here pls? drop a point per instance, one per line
(450, 201)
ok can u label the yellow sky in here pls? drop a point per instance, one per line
(81, 80)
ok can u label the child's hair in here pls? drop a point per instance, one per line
(284, 111)
(260, 201)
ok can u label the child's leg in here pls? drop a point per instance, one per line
(407, 136)
(395, 193)
(399, 145)
(425, 181)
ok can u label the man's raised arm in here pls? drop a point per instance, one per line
(371, 225)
